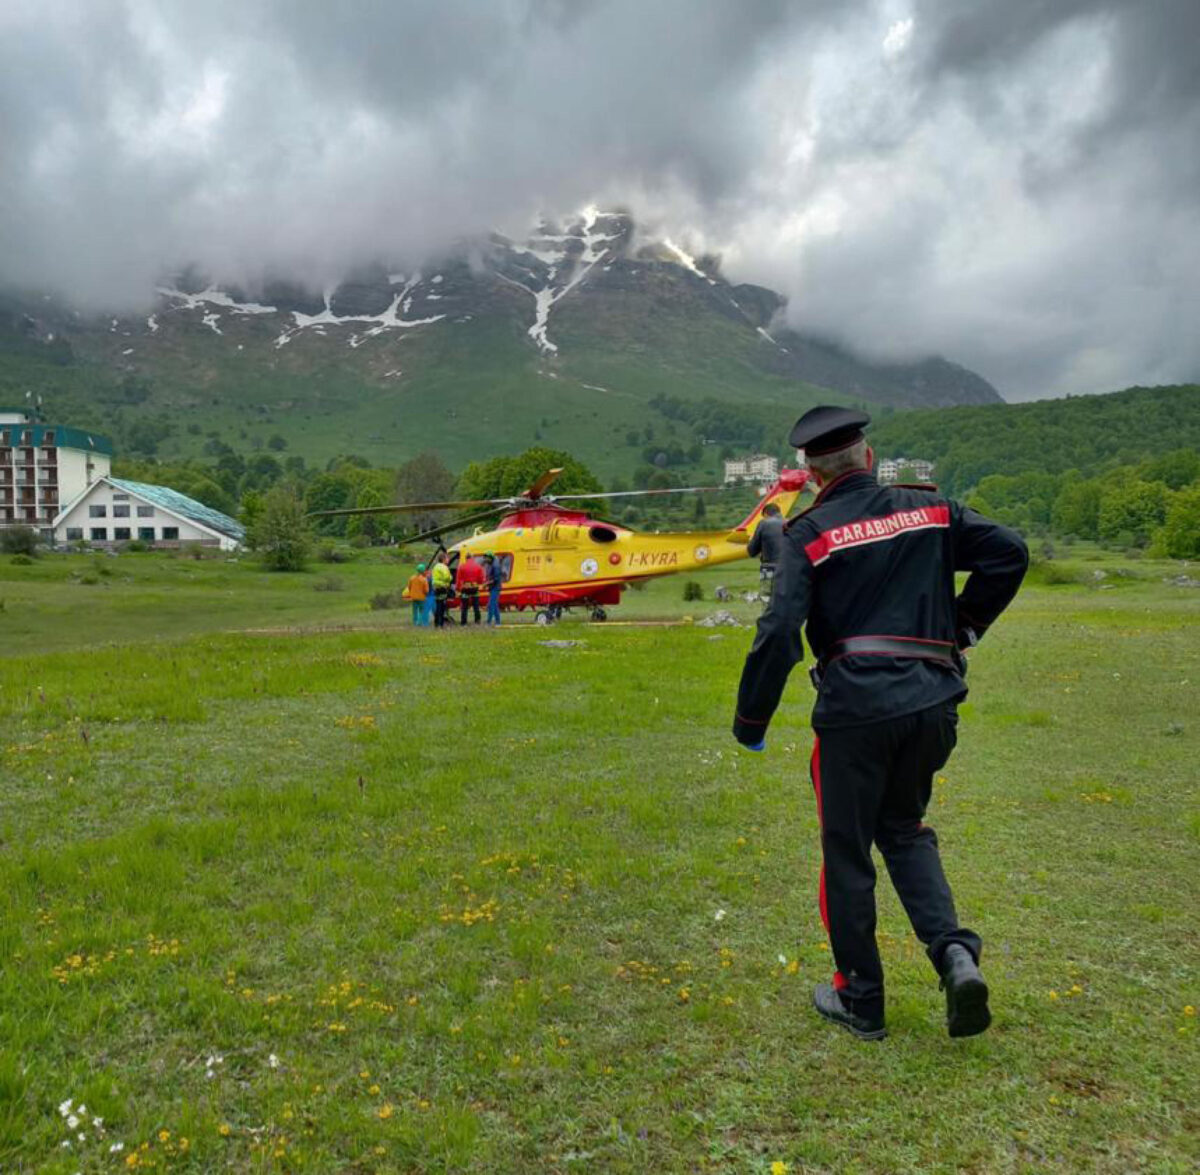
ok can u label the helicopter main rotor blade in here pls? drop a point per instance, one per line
(456, 524)
(641, 493)
(410, 507)
(540, 486)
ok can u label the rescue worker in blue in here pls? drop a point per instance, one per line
(869, 571)
(495, 584)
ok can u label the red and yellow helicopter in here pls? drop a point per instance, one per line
(555, 556)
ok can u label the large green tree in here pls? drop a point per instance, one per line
(424, 479)
(280, 531)
(1179, 536)
(505, 477)
(1131, 510)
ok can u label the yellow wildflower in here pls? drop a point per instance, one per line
(224, 1130)
(386, 1110)
(164, 1135)
(373, 1090)
(1189, 1010)
(779, 1167)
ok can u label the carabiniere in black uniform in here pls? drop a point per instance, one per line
(868, 570)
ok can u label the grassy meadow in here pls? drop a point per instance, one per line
(287, 885)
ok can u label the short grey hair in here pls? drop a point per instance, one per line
(827, 466)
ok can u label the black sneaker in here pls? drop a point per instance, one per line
(967, 1011)
(829, 1004)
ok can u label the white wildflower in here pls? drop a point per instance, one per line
(273, 1061)
(72, 1122)
(782, 960)
(719, 915)
(116, 1148)
(64, 1108)
(82, 1111)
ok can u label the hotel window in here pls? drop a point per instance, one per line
(170, 533)
(120, 511)
(121, 533)
(74, 534)
(97, 511)
(145, 511)
(99, 534)
(146, 533)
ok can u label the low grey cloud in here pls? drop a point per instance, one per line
(1010, 183)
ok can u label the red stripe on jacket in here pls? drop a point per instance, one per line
(875, 530)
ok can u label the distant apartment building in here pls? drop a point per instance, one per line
(44, 465)
(889, 468)
(759, 468)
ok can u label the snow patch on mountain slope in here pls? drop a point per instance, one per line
(388, 320)
(561, 260)
(686, 260)
(214, 297)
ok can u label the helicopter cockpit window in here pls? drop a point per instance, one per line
(602, 534)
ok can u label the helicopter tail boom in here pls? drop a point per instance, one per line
(783, 493)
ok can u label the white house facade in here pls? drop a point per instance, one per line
(760, 467)
(113, 511)
(889, 468)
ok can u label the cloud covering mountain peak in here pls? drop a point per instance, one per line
(1014, 183)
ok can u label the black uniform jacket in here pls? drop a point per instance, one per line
(767, 540)
(874, 560)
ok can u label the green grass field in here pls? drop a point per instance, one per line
(289, 886)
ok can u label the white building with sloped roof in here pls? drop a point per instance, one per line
(112, 511)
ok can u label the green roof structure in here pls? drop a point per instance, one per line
(182, 505)
(64, 437)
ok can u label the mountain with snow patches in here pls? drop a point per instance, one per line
(568, 338)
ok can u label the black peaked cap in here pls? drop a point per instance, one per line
(826, 428)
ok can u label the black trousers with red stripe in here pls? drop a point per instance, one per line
(873, 785)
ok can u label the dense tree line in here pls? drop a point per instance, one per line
(1154, 504)
(1091, 434)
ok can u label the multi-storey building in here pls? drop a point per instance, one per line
(42, 466)
(760, 467)
(889, 468)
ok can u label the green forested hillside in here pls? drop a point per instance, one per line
(1090, 434)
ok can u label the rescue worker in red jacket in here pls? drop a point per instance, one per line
(868, 570)
(468, 583)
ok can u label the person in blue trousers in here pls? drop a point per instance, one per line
(495, 580)
(430, 602)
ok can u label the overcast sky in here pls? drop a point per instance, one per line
(1014, 184)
